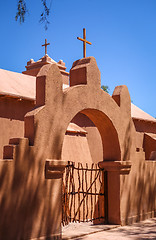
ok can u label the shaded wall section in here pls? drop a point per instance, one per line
(144, 126)
(138, 191)
(149, 144)
(75, 148)
(31, 205)
(12, 113)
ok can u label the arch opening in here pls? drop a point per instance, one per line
(94, 135)
(89, 139)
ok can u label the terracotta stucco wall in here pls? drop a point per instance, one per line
(75, 148)
(12, 113)
(145, 126)
(29, 203)
(138, 190)
(93, 136)
(146, 136)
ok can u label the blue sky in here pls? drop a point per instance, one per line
(122, 32)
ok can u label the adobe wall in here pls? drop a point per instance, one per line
(12, 113)
(138, 191)
(138, 195)
(146, 136)
(93, 136)
(149, 145)
(75, 148)
(144, 126)
(26, 205)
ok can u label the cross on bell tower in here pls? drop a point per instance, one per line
(45, 45)
(84, 42)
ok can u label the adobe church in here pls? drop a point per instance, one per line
(71, 152)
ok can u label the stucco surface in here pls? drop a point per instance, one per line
(87, 101)
(145, 126)
(75, 149)
(138, 196)
(93, 136)
(12, 114)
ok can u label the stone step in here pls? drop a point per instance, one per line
(8, 151)
(14, 141)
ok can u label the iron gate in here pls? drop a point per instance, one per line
(84, 195)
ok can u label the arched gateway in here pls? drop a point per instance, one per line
(45, 127)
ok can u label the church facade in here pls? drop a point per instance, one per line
(47, 123)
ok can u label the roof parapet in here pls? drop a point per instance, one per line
(33, 67)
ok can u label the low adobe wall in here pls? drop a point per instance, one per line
(138, 195)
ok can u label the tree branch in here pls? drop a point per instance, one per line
(22, 10)
(45, 14)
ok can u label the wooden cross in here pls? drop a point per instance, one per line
(84, 42)
(45, 45)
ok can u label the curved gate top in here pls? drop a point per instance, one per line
(57, 107)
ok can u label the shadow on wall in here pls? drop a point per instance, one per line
(26, 198)
(138, 189)
(127, 143)
(141, 193)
